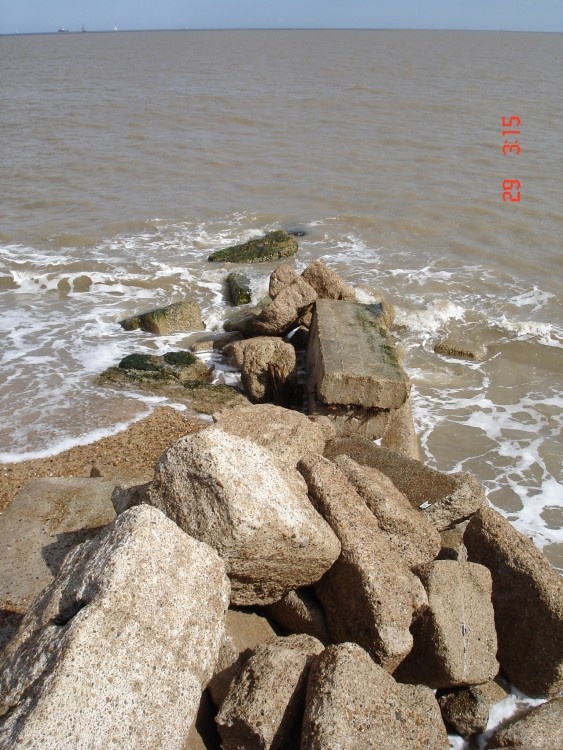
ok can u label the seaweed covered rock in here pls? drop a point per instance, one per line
(272, 246)
(239, 289)
(179, 316)
(178, 375)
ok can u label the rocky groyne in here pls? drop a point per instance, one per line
(282, 581)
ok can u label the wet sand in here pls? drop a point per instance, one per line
(127, 456)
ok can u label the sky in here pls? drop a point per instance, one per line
(30, 16)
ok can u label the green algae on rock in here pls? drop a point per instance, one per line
(273, 246)
(179, 375)
(239, 289)
(179, 316)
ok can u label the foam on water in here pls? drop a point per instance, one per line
(498, 418)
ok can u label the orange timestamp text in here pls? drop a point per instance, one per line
(511, 127)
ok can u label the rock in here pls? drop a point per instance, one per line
(351, 358)
(352, 420)
(327, 283)
(177, 375)
(231, 493)
(456, 349)
(126, 496)
(241, 320)
(272, 246)
(268, 367)
(179, 316)
(300, 612)
(400, 435)
(528, 602)
(282, 276)
(265, 703)
(116, 650)
(285, 310)
(406, 529)
(353, 704)
(365, 295)
(446, 499)
(47, 518)
(239, 289)
(216, 342)
(287, 433)
(454, 639)
(243, 632)
(203, 733)
(452, 546)
(369, 596)
(540, 729)
(467, 710)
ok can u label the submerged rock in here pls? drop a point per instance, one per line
(179, 316)
(448, 348)
(273, 246)
(178, 375)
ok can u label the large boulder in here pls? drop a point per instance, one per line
(268, 367)
(232, 494)
(327, 283)
(287, 433)
(446, 499)
(264, 705)
(281, 277)
(369, 595)
(540, 729)
(528, 602)
(406, 529)
(117, 649)
(272, 246)
(454, 638)
(179, 316)
(354, 704)
(47, 518)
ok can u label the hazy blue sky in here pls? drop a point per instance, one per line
(48, 15)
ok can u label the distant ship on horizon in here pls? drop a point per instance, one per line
(63, 30)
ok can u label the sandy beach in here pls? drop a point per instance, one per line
(124, 457)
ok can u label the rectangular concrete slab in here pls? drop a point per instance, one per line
(351, 358)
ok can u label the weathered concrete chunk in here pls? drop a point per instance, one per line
(243, 632)
(406, 529)
(265, 702)
(352, 420)
(446, 499)
(353, 704)
(179, 316)
(351, 357)
(268, 367)
(287, 433)
(448, 348)
(46, 519)
(232, 494)
(454, 639)
(369, 595)
(528, 602)
(116, 650)
(239, 289)
(400, 435)
(467, 710)
(540, 729)
(327, 283)
(272, 246)
(300, 612)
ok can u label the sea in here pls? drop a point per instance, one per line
(423, 165)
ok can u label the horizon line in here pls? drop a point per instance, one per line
(273, 28)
